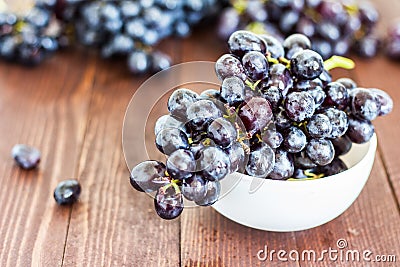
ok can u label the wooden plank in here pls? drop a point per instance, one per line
(44, 107)
(114, 225)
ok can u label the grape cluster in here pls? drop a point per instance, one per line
(273, 117)
(334, 27)
(131, 29)
(392, 47)
(32, 37)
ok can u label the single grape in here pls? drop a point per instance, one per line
(280, 77)
(360, 131)
(255, 65)
(167, 121)
(272, 137)
(214, 163)
(342, 145)
(168, 203)
(385, 100)
(348, 83)
(255, 114)
(67, 192)
(365, 104)
(296, 40)
(336, 96)
(194, 188)
(26, 157)
(294, 140)
(319, 126)
(261, 161)
(273, 95)
(306, 64)
(232, 90)
(237, 157)
(241, 42)
(212, 194)
(180, 100)
(169, 140)
(335, 167)
(181, 164)
(149, 176)
(227, 66)
(299, 106)
(320, 151)
(222, 132)
(281, 120)
(201, 113)
(284, 167)
(275, 48)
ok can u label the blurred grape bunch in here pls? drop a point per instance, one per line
(129, 29)
(132, 29)
(334, 27)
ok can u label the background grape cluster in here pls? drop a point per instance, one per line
(278, 115)
(335, 27)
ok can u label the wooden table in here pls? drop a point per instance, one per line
(72, 109)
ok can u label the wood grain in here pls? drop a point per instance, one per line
(43, 107)
(113, 225)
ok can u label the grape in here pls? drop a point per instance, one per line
(339, 121)
(302, 161)
(212, 194)
(360, 131)
(348, 83)
(275, 48)
(227, 66)
(228, 23)
(280, 77)
(241, 42)
(181, 164)
(197, 147)
(272, 94)
(255, 65)
(194, 188)
(342, 145)
(149, 176)
(180, 101)
(299, 106)
(261, 161)
(320, 151)
(168, 203)
(255, 114)
(138, 62)
(386, 102)
(335, 167)
(169, 140)
(319, 126)
(232, 90)
(283, 167)
(26, 157)
(67, 192)
(222, 132)
(336, 96)
(365, 104)
(237, 157)
(281, 120)
(167, 121)
(306, 64)
(367, 47)
(214, 163)
(294, 140)
(201, 113)
(296, 40)
(272, 138)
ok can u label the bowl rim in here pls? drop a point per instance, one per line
(372, 145)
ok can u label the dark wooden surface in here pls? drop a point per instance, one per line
(72, 108)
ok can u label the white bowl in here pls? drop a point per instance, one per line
(284, 206)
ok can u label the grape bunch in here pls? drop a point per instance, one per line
(131, 29)
(334, 27)
(273, 117)
(392, 47)
(32, 37)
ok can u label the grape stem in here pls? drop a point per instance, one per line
(339, 62)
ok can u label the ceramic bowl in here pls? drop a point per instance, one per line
(283, 206)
